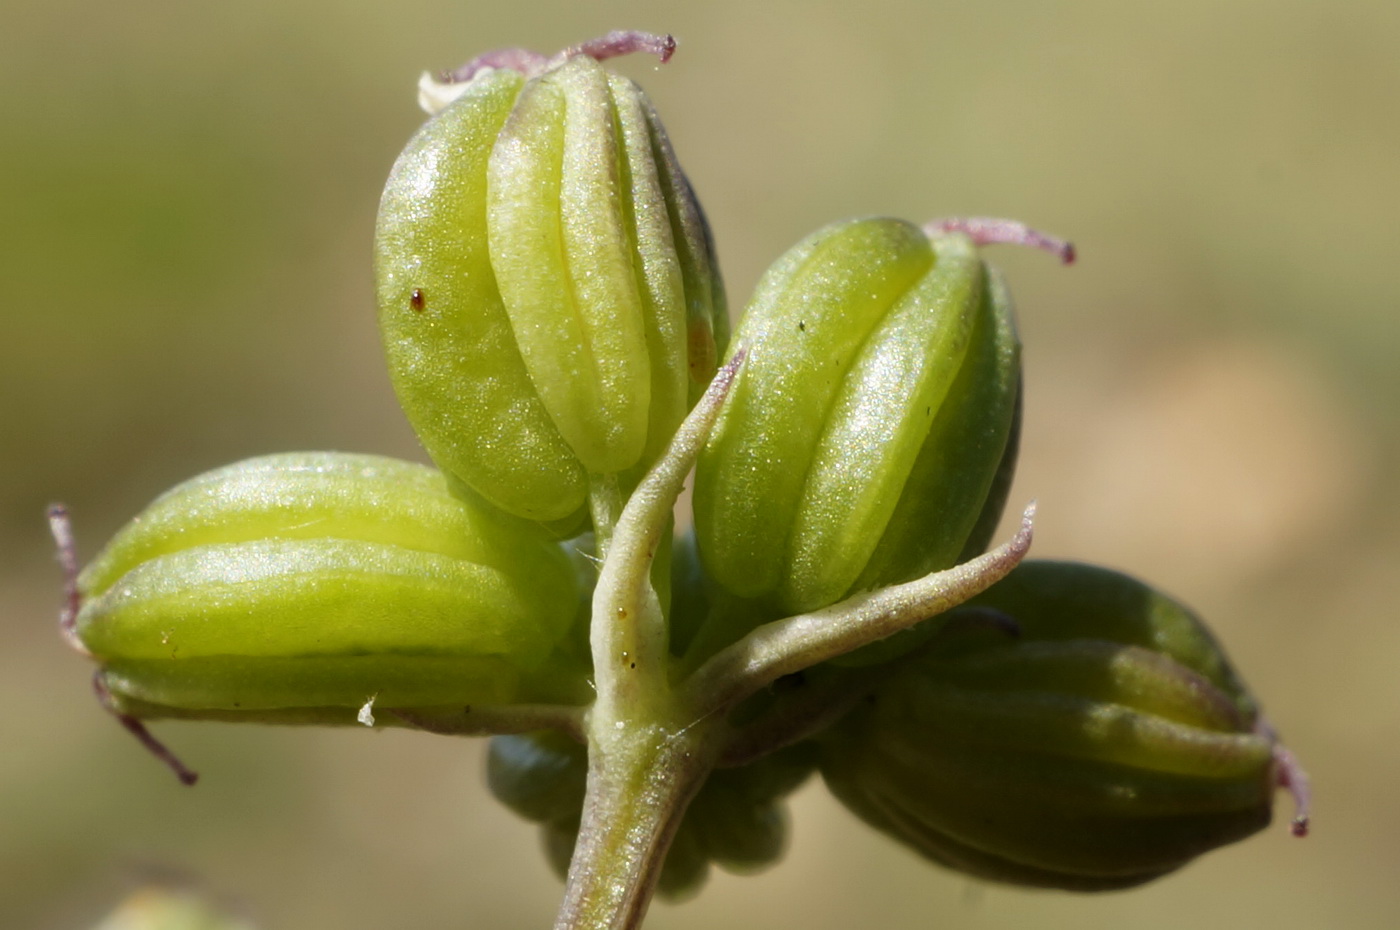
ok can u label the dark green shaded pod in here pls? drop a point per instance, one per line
(986, 526)
(547, 289)
(863, 435)
(736, 821)
(540, 776)
(322, 580)
(739, 816)
(1105, 745)
(690, 600)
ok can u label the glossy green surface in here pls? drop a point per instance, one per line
(455, 361)
(859, 443)
(323, 579)
(568, 303)
(315, 495)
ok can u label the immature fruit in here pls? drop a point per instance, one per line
(548, 295)
(1105, 745)
(862, 436)
(319, 580)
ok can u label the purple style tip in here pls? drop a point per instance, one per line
(62, 529)
(613, 45)
(138, 729)
(985, 230)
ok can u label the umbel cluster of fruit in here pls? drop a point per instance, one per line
(551, 311)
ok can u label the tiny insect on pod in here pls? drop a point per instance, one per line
(1093, 737)
(301, 586)
(869, 438)
(736, 821)
(549, 299)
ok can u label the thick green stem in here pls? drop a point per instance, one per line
(640, 780)
(645, 761)
(628, 633)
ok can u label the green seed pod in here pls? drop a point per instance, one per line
(736, 821)
(739, 816)
(863, 434)
(548, 295)
(540, 776)
(1106, 744)
(323, 580)
(986, 526)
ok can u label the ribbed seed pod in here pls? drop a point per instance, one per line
(311, 580)
(548, 295)
(861, 439)
(1105, 745)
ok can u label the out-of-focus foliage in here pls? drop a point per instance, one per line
(189, 194)
(156, 908)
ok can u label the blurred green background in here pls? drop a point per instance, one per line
(188, 193)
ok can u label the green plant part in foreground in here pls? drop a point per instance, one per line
(300, 583)
(871, 436)
(1071, 728)
(548, 294)
(552, 316)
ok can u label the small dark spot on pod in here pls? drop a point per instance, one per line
(802, 325)
(417, 301)
(790, 682)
